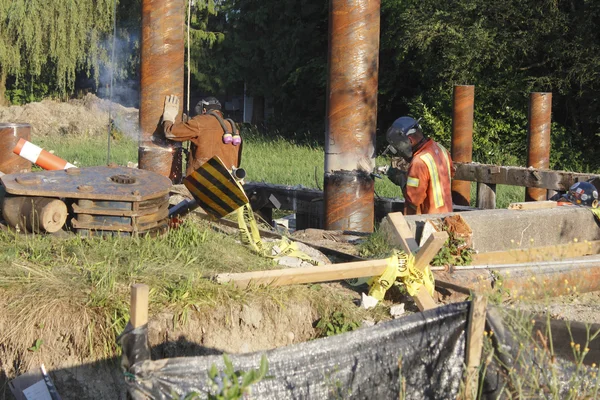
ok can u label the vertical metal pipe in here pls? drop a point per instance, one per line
(538, 139)
(10, 134)
(353, 65)
(462, 138)
(162, 59)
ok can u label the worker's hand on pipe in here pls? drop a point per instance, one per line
(171, 108)
(397, 176)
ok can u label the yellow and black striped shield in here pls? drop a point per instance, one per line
(215, 189)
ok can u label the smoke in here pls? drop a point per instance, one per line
(119, 79)
(119, 84)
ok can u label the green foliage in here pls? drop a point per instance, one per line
(36, 346)
(231, 384)
(335, 324)
(454, 252)
(65, 36)
(374, 246)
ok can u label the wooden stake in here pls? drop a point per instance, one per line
(139, 305)
(475, 328)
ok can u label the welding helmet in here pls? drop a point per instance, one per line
(583, 194)
(397, 135)
(210, 103)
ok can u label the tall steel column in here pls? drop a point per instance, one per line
(353, 64)
(538, 139)
(162, 71)
(462, 138)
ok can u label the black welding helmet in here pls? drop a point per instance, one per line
(583, 194)
(397, 135)
(210, 103)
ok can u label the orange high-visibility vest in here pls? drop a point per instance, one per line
(428, 184)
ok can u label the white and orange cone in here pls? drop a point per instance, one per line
(40, 157)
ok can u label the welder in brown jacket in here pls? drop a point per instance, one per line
(426, 184)
(211, 134)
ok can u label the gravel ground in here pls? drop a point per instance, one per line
(582, 307)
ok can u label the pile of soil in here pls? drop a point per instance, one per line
(88, 116)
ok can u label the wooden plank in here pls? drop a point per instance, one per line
(533, 205)
(429, 250)
(486, 196)
(519, 176)
(475, 328)
(293, 276)
(399, 233)
(139, 305)
(544, 253)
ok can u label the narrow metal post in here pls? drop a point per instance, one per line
(353, 64)
(462, 138)
(538, 139)
(161, 74)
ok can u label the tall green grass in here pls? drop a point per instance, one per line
(266, 159)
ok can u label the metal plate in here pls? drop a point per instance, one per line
(96, 183)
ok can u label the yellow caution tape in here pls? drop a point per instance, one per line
(596, 212)
(250, 236)
(401, 266)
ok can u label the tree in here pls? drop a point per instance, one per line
(64, 36)
(507, 49)
(279, 50)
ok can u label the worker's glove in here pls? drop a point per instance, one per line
(171, 108)
(397, 176)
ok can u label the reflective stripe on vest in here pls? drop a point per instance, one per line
(445, 152)
(413, 182)
(436, 185)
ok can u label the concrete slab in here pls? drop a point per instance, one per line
(502, 229)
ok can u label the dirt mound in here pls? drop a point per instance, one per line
(87, 116)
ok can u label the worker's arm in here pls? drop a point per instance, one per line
(416, 187)
(181, 131)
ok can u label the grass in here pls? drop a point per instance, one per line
(274, 160)
(82, 285)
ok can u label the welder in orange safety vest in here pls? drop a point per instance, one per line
(426, 185)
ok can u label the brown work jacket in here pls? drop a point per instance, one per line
(206, 135)
(428, 187)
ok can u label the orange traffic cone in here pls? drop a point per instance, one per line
(40, 157)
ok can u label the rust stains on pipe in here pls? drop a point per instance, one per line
(10, 134)
(349, 201)
(538, 139)
(462, 138)
(162, 68)
(353, 64)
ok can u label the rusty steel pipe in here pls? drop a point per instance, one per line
(161, 74)
(353, 64)
(462, 138)
(10, 134)
(538, 139)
